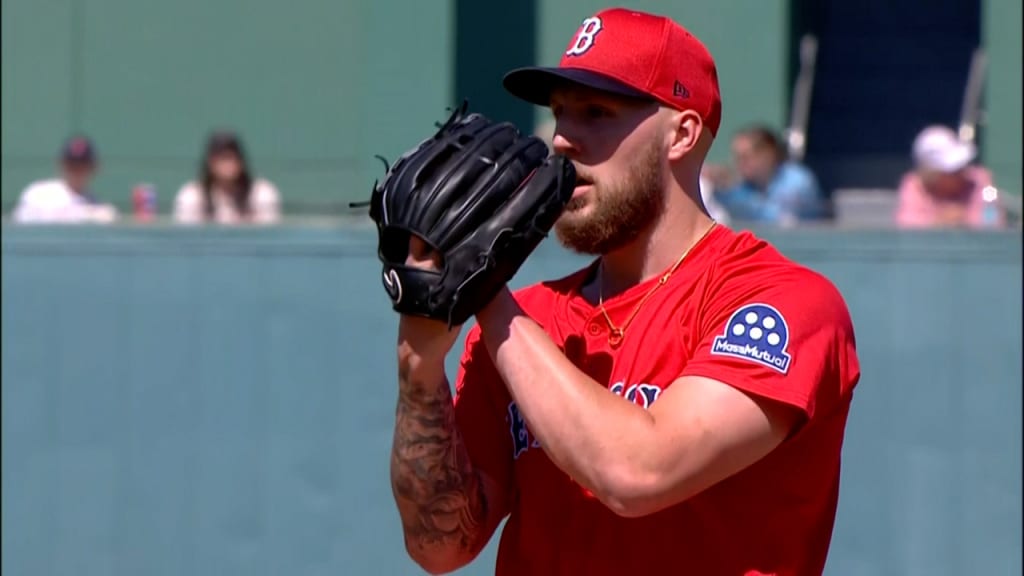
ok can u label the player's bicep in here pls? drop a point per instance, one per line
(708, 430)
(769, 359)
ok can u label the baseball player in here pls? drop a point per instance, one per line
(677, 406)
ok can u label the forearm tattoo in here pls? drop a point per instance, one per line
(439, 496)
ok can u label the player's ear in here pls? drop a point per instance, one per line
(686, 130)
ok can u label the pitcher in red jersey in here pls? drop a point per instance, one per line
(677, 406)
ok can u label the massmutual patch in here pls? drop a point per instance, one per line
(756, 332)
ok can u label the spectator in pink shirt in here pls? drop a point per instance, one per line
(945, 189)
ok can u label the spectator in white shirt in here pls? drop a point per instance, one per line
(226, 191)
(66, 198)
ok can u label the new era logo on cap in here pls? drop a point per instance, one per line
(635, 54)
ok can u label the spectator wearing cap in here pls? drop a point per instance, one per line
(945, 189)
(226, 191)
(768, 186)
(66, 198)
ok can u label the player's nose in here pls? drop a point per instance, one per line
(564, 145)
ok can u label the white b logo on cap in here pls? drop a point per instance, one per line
(585, 37)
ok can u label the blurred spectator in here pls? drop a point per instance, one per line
(226, 191)
(66, 198)
(769, 187)
(945, 189)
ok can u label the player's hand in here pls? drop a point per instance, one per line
(427, 338)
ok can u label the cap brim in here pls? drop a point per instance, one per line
(535, 84)
(950, 160)
(78, 160)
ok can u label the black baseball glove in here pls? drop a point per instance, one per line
(482, 196)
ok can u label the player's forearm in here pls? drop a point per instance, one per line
(594, 436)
(439, 496)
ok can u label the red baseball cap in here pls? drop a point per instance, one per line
(635, 54)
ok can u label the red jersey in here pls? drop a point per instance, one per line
(736, 311)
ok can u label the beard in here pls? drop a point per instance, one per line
(614, 214)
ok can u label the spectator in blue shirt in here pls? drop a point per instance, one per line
(769, 188)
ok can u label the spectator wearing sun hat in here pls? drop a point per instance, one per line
(946, 188)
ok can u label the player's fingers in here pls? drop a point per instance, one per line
(421, 255)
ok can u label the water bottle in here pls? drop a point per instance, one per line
(990, 211)
(144, 202)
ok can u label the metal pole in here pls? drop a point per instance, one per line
(796, 134)
(970, 113)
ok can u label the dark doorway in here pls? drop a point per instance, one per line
(885, 70)
(492, 38)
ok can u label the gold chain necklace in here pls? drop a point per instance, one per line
(616, 333)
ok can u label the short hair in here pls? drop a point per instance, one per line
(762, 136)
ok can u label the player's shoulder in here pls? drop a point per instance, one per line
(750, 267)
(744, 257)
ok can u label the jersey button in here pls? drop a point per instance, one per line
(594, 328)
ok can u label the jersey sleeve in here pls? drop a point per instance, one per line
(481, 412)
(785, 335)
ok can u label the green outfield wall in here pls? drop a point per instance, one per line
(218, 402)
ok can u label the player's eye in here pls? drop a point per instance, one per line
(595, 112)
